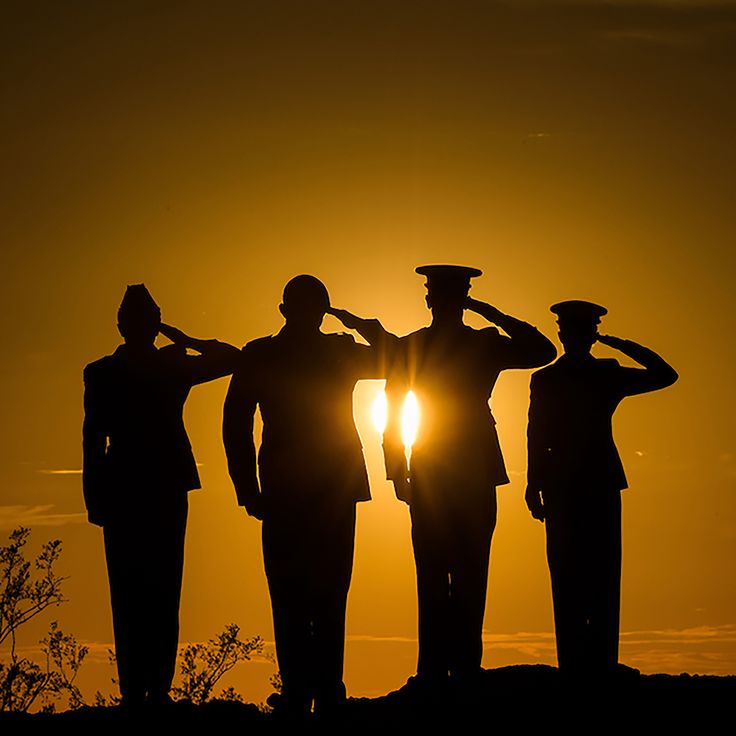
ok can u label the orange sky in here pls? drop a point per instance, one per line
(214, 150)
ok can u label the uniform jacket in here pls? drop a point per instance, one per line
(133, 434)
(453, 378)
(304, 390)
(570, 434)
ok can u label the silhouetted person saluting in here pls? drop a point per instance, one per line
(309, 476)
(575, 477)
(456, 464)
(138, 468)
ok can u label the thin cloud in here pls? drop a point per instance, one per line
(379, 639)
(697, 650)
(33, 516)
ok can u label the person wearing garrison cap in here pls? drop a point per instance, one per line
(456, 461)
(308, 477)
(138, 467)
(574, 479)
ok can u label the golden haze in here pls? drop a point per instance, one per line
(570, 150)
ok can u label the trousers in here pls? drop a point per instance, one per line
(584, 557)
(144, 550)
(451, 536)
(308, 556)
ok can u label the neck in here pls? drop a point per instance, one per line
(298, 329)
(578, 354)
(447, 320)
(139, 347)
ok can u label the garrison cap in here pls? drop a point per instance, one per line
(578, 312)
(138, 304)
(444, 276)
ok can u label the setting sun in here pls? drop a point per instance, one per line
(379, 411)
(410, 416)
(409, 419)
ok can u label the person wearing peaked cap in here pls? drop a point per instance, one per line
(574, 480)
(456, 461)
(138, 467)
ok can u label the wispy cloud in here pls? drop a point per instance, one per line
(697, 650)
(39, 515)
(380, 639)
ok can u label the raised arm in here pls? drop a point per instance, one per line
(376, 360)
(237, 435)
(655, 374)
(392, 366)
(94, 444)
(525, 346)
(215, 359)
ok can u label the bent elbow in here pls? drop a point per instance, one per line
(672, 376)
(545, 353)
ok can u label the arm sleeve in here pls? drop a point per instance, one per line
(237, 429)
(525, 346)
(215, 360)
(374, 360)
(655, 374)
(94, 445)
(536, 445)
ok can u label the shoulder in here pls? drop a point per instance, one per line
(607, 364)
(418, 335)
(554, 371)
(545, 374)
(256, 352)
(98, 367)
(254, 347)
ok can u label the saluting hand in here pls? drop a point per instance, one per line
(347, 318)
(174, 334)
(613, 342)
(485, 310)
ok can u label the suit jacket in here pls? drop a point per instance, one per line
(570, 434)
(452, 376)
(304, 389)
(133, 435)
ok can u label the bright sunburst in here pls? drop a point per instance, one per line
(409, 416)
(409, 419)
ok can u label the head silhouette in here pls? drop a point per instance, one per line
(578, 325)
(139, 317)
(305, 302)
(447, 290)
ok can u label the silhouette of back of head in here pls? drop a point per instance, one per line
(139, 317)
(305, 302)
(578, 324)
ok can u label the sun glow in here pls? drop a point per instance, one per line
(379, 412)
(409, 419)
(410, 415)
